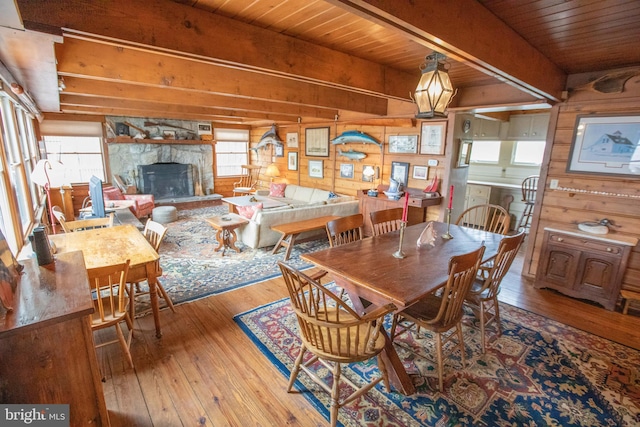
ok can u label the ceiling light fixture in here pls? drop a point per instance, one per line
(434, 91)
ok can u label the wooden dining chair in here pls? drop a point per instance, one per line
(385, 220)
(111, 303)
(59, 216)
(154, 233)
(529, 190)
(488, 217)
(87, 224)
(483, 296)
(345, 229)
(335, 334)
(441, 312)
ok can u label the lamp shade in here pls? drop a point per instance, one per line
(434, 91)
(272, 170)
(49, 173)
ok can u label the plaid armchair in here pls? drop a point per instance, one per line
(144, 202)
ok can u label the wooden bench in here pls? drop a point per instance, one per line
(291, 231)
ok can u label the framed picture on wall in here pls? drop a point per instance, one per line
(407, 144)
(279, 150)
(292, 140)
(420, 172)
(432, 138)
(292, 161)
(316, 142)
(606, 145)
(346, 170)
(464, 153)
(316, 169)
(400, 172)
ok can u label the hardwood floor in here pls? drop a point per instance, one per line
(206, 371)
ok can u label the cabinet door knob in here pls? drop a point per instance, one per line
(609, 250)
(560, 239)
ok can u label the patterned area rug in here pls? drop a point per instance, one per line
(192, 269)
(538, 373)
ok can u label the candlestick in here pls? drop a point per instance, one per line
(448, 235)
(451, 197)
(399, 253)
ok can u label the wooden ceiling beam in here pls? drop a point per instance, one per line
(185, 30)
(72, 109)
(169, 109)
(478, 39)
(104, 89)
(124, 64)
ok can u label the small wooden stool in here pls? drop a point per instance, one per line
(628, 297)
(226, 230)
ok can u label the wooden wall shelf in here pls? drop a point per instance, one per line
(129, 140)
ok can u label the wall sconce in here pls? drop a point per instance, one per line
(272, 171)
(434, 91)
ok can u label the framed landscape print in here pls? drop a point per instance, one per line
(316, 142)
(432, 138)
(420, 172)
(400, 172)
(403, 144)
(346, 170)
(605, 145)
(316, 169)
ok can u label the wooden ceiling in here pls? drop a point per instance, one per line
(260, 61)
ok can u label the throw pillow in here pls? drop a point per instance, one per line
(332, 195)
(249, 211)
(277, 190)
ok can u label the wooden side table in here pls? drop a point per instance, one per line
(226, 230)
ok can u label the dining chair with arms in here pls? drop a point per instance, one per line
(345, 229)
(111, 303)
(483, 296)
(335, 334)
(488, 217)
(86, 224)
(385, 220)
(154, 233)
(248, 180)
(441, 312)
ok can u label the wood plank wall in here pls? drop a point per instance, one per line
(579, 196)
(380, 158)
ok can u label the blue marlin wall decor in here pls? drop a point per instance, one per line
(354, 136)
(270, 137)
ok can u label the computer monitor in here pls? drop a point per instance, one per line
(97, 198)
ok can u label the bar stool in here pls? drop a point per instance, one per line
(529, 189)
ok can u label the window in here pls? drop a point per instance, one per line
(231, 151)
(485, 152)
(80, 155)
(528, 152)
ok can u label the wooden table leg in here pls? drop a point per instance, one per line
(220, 239)
(230, 239)
(398, 376)
(153, 295)
(281, 242)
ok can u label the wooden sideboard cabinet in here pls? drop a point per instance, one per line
(47, 353)
(417, 207)
(581, 265)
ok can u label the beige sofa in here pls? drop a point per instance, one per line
(302, 203)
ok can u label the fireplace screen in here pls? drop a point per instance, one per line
(166, 180)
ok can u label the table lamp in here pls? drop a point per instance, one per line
(272, 171)
(370, 172)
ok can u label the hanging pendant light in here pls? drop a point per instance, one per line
(434, 91)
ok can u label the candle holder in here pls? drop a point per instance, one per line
(447, 235)
(399, 253)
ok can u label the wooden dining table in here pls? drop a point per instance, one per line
(114, 245)
(372, 276)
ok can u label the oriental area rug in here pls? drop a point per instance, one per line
(192, 269)
(538, 373)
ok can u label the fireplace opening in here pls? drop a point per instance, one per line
(166, 180)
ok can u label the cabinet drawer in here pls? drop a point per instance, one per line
(586, 244)
(479, 191)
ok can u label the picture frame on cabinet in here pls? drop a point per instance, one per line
(432, 140)
(292, 140)
(316, 169)
(420, 172)
(346, 170)
(605, 145)
(292, 161)
(400, 172)
(316, 142)
(403, 144)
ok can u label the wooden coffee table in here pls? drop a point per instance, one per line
(291, 231)
(226, 230)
